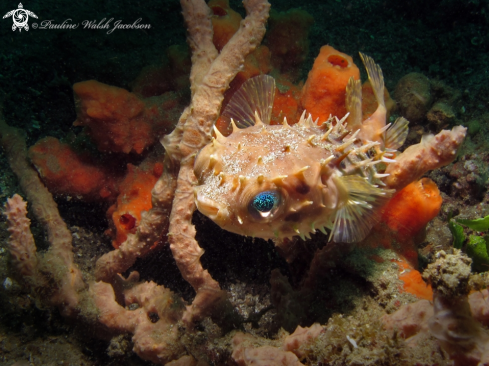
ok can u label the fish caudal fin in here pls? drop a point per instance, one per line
(254, 96)
(376, 78)
(359, 210)
(354, 104)
(396, 135)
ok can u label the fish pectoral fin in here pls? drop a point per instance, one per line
(254, 96)
(359, 209)
(397, 133)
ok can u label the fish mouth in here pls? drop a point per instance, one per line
(210, 208)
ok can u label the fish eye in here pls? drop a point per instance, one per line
(264, 204)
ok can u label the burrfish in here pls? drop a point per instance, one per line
(279, 181)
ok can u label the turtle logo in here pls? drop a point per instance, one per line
(20, 17)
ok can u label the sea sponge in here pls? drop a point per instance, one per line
(413, 281)
(412, 208)
(120, 121)
(133, 199)
(434, 151)
(404, 217)
(286, 102)
(324, 92)
(69, 173)
(225, 22)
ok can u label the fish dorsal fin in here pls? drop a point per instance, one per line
(354, 104)
(358, 210)
(375, 76)
(396, 135)
(255, 95)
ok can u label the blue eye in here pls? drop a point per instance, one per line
(264, 203)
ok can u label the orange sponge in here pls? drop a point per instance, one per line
(412, 208)
(225, 22)
(404, 217)
(286, 102)
(119, 121)
(68, 173)
(325, 89)
(133, 199)
(413, 281)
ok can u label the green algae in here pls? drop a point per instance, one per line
(477, 245)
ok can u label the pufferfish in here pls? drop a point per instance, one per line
(280, 181)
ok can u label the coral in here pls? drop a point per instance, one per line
(72, 174)
(262, 356)
(21, 242)
(359, 339)
(286, 351)
(119, 121)
(454, 318)
(450, 319)
(478, 303)
(450, 274)
(476, 247)
(410, 320)
(323, 93)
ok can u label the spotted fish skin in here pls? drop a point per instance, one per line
(276, 182)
